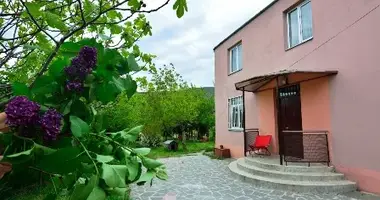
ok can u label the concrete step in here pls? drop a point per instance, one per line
(264, 164)
(338, 186)
(297, 176)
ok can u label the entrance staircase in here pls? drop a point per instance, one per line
(267, 172)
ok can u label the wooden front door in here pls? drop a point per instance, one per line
(290, 118)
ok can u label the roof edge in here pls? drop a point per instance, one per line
(246, 23)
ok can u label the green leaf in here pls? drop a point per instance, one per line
(105, 92)
(70, 49)
(103, 158)
(114, 175)
(43, 43)
(161, 174)
(43, 85)
(135, 131)
(20, 89)
(56, 68)
(134, 4)
(180, 6)
(83, 191)
(142, 151)
(116, 29)
(132, 63)
(119, 83)
(27, 153)
(34, 9)
(98, 123)
(78, 126)
(151, 163)
(121, 192)
(43, 150)
(97, 194)
(130, 135)
(51, 197)
(67, 108)
(134, 169)
(147, 177)
(130, 85)
(62, 161)
(55, 21)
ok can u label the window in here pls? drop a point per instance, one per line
(300, 25)
(235, 113)
(236, 58)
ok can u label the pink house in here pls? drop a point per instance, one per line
(306, 73)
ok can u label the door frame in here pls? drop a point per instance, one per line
(278, 114)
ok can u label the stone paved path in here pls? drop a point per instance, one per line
(202, 178)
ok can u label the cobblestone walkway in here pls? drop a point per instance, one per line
(202, 178)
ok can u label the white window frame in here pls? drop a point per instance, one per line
(300, 37)
(240, 108)
(239, 61)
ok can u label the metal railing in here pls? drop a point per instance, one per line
(250, 136)
(305, 146)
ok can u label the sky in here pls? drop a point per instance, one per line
(188, 42)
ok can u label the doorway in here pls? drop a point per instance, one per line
(290, 119)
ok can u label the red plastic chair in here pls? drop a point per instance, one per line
(262, 142)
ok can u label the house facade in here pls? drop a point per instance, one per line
(301, 67)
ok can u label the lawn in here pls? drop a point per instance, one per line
(192, 147)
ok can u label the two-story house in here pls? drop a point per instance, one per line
(301, 68)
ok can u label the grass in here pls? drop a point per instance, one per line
(192, 147)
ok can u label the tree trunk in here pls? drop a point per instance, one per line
(184, 140)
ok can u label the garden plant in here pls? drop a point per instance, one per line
(56, 136)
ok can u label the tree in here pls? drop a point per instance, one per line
(57, 73)
(33, 32)
(167, 106)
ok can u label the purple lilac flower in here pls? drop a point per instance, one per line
(21, 112)
(88, 54)
(80, 67)
(71, 71)
(51, 123)
(75, 85)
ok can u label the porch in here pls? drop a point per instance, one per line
(293, 107)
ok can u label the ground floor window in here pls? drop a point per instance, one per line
(235, 113)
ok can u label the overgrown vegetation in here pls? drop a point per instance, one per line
(168, 107)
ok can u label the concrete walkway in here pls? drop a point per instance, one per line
(201, 178)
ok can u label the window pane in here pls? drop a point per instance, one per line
(229, 113)
(293, 28)
(241, 115)
(233, 59)
(235, 120)
(306, 20)
(240, 57)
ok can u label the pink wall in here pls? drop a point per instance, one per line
(353, 50)
(267, 126)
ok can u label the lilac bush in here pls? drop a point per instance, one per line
(22, 112)
(75, 86)
(80, 67)
(51, 123)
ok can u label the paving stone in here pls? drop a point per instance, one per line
(201, 178)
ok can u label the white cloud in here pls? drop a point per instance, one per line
(188, 42)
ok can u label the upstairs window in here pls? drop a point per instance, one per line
(235, 58)
(300, 24)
